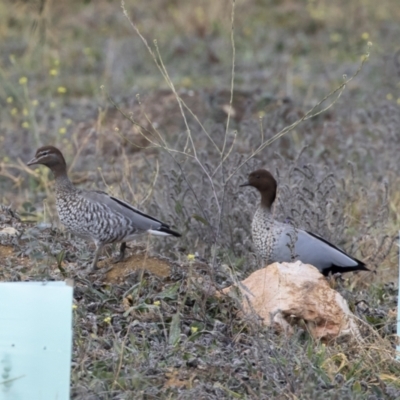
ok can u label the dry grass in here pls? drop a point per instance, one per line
(163, 334)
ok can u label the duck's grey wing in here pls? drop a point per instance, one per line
(314, 250)
(140, 220)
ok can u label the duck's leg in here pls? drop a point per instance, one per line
(121, 256)
(96, 256)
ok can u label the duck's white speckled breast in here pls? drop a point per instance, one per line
(266, 233)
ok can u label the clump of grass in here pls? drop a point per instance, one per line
(175, 154)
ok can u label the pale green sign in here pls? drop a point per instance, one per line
(35, 340)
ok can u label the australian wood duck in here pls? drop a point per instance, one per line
(93, 214)
(279, 242)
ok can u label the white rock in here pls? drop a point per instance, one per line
(283, 294)
(8, 231)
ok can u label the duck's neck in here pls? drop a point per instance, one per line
(267, 199)
(62, 182)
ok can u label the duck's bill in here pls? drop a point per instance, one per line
(33, 161)
(242, 185)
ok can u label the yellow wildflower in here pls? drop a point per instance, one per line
(365, 36)
(25, 112)
(25, 125)
(61, 90)
(157, 303)
(62, 131)
(10, 100)
(14, 111)
(107, 320)
(23, 80)
(191, 257)
(186, 81)
(194, 329)
(336, 37)
(389, 96)
(35, 103)
(53, 72)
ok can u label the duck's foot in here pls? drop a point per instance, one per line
(99, 272)
(104, 271)
(121, 255)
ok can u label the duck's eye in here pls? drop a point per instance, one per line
(258, 176)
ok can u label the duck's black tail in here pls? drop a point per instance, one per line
(164, 230)
(335, 268)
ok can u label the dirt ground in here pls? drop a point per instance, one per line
(164, 105)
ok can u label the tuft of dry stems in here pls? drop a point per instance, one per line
(189, 150)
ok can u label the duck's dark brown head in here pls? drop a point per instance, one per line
(265, 183)
(52, 158)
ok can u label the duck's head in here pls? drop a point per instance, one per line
(265, 183)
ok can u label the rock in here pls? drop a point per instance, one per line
(284, 294)
(8, 231)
